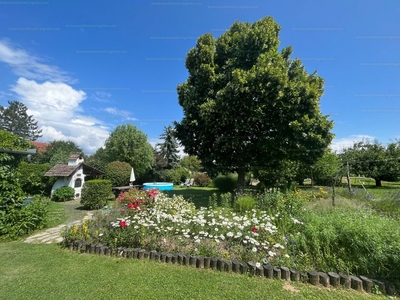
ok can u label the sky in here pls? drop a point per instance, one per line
(84, 67)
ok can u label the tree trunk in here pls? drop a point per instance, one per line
(240, 184)
(378, 182)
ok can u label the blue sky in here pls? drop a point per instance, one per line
(84, 67)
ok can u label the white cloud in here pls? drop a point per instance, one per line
(30, 66)
(339, 144)
(56, 106)
(123, 114)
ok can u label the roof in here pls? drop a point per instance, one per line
(63, 170)
(75, 156)
(41, 147)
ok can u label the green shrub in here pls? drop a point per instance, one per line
(63, 194)
(32, 180)
(23, 221)
(118, 173)
(226, 183)
(226, 200)
(96, 193)
(202, 180)
(244, 203)
(177, 176)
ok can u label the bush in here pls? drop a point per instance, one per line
(202, 180)
(177, 176)
(63, 194)
(226, 183)
(23, 221)
(244, 203)
(32, 180)
(118, 173)
(96, 193)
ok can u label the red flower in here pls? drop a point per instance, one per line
(253, 229)
(122, 223)
(122, 211)
(136, 206)
(130, 205)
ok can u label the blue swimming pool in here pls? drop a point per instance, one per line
(162, 186)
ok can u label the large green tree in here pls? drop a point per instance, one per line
(16, 120)
(246, 104)
(168, 149)
(128, 144)
(57, 151)
(372, 159)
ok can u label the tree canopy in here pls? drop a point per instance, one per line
(246, 104)
(128, 144)
(168, 149)
(372, 159)
(57, 152)
(15, 120)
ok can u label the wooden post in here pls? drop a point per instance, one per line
(235, 266)
(221, 264)
(228, 266)
(243, 267)
(356, 283)
(367, 284)
(345, 280)
(251, 267)
(200, 262)
(207, 262)
(285, 273)
(381, 285)
(192, 260)
(313, 277)
(334, 279)
(277, 273)
(213, 263)
(294, 275)
(269, 271)
(168, 258)
(348, 179)
(323, 279)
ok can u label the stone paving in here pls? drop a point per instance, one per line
(53, 235)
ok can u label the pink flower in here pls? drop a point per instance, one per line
(122, 223)
(130, 205)
(253, 229)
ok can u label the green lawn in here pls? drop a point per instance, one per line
(30, 271)
(198, 195)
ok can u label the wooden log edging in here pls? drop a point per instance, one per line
(330, 279)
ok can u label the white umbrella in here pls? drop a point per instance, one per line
(132, 179)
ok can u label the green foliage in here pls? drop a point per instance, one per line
(277, 174)
(63, 194)
(169, 148)
(22, 221)
(226, 183)
(15, 120)
(118, 173)
(358, 241)
(213, 201)
(191, 162)
(374, 160)
(12, 141)
(226, 200)
(246, 105)
(128, 144)
(57, 152)
(202, 180)
(177, 176)
(98, 160)
(244, 203)
(96, 193)
(32, 180)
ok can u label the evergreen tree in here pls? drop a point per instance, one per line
(169, 148)
(15, 120)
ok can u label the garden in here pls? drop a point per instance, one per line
(298, 229)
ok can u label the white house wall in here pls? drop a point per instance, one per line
(70, 181)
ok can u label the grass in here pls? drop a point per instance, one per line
(47, 272)
(198, 195)
(57, 214)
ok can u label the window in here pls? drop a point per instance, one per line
(78, 183)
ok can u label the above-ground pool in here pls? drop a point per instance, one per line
(162, 186)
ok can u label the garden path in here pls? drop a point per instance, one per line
(53, 235)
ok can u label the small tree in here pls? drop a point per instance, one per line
(57, 151)
(118, 173)
(169, 148)
(15, 120)
(128, 144)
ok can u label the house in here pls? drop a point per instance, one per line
(73, 174)
(41, 147)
